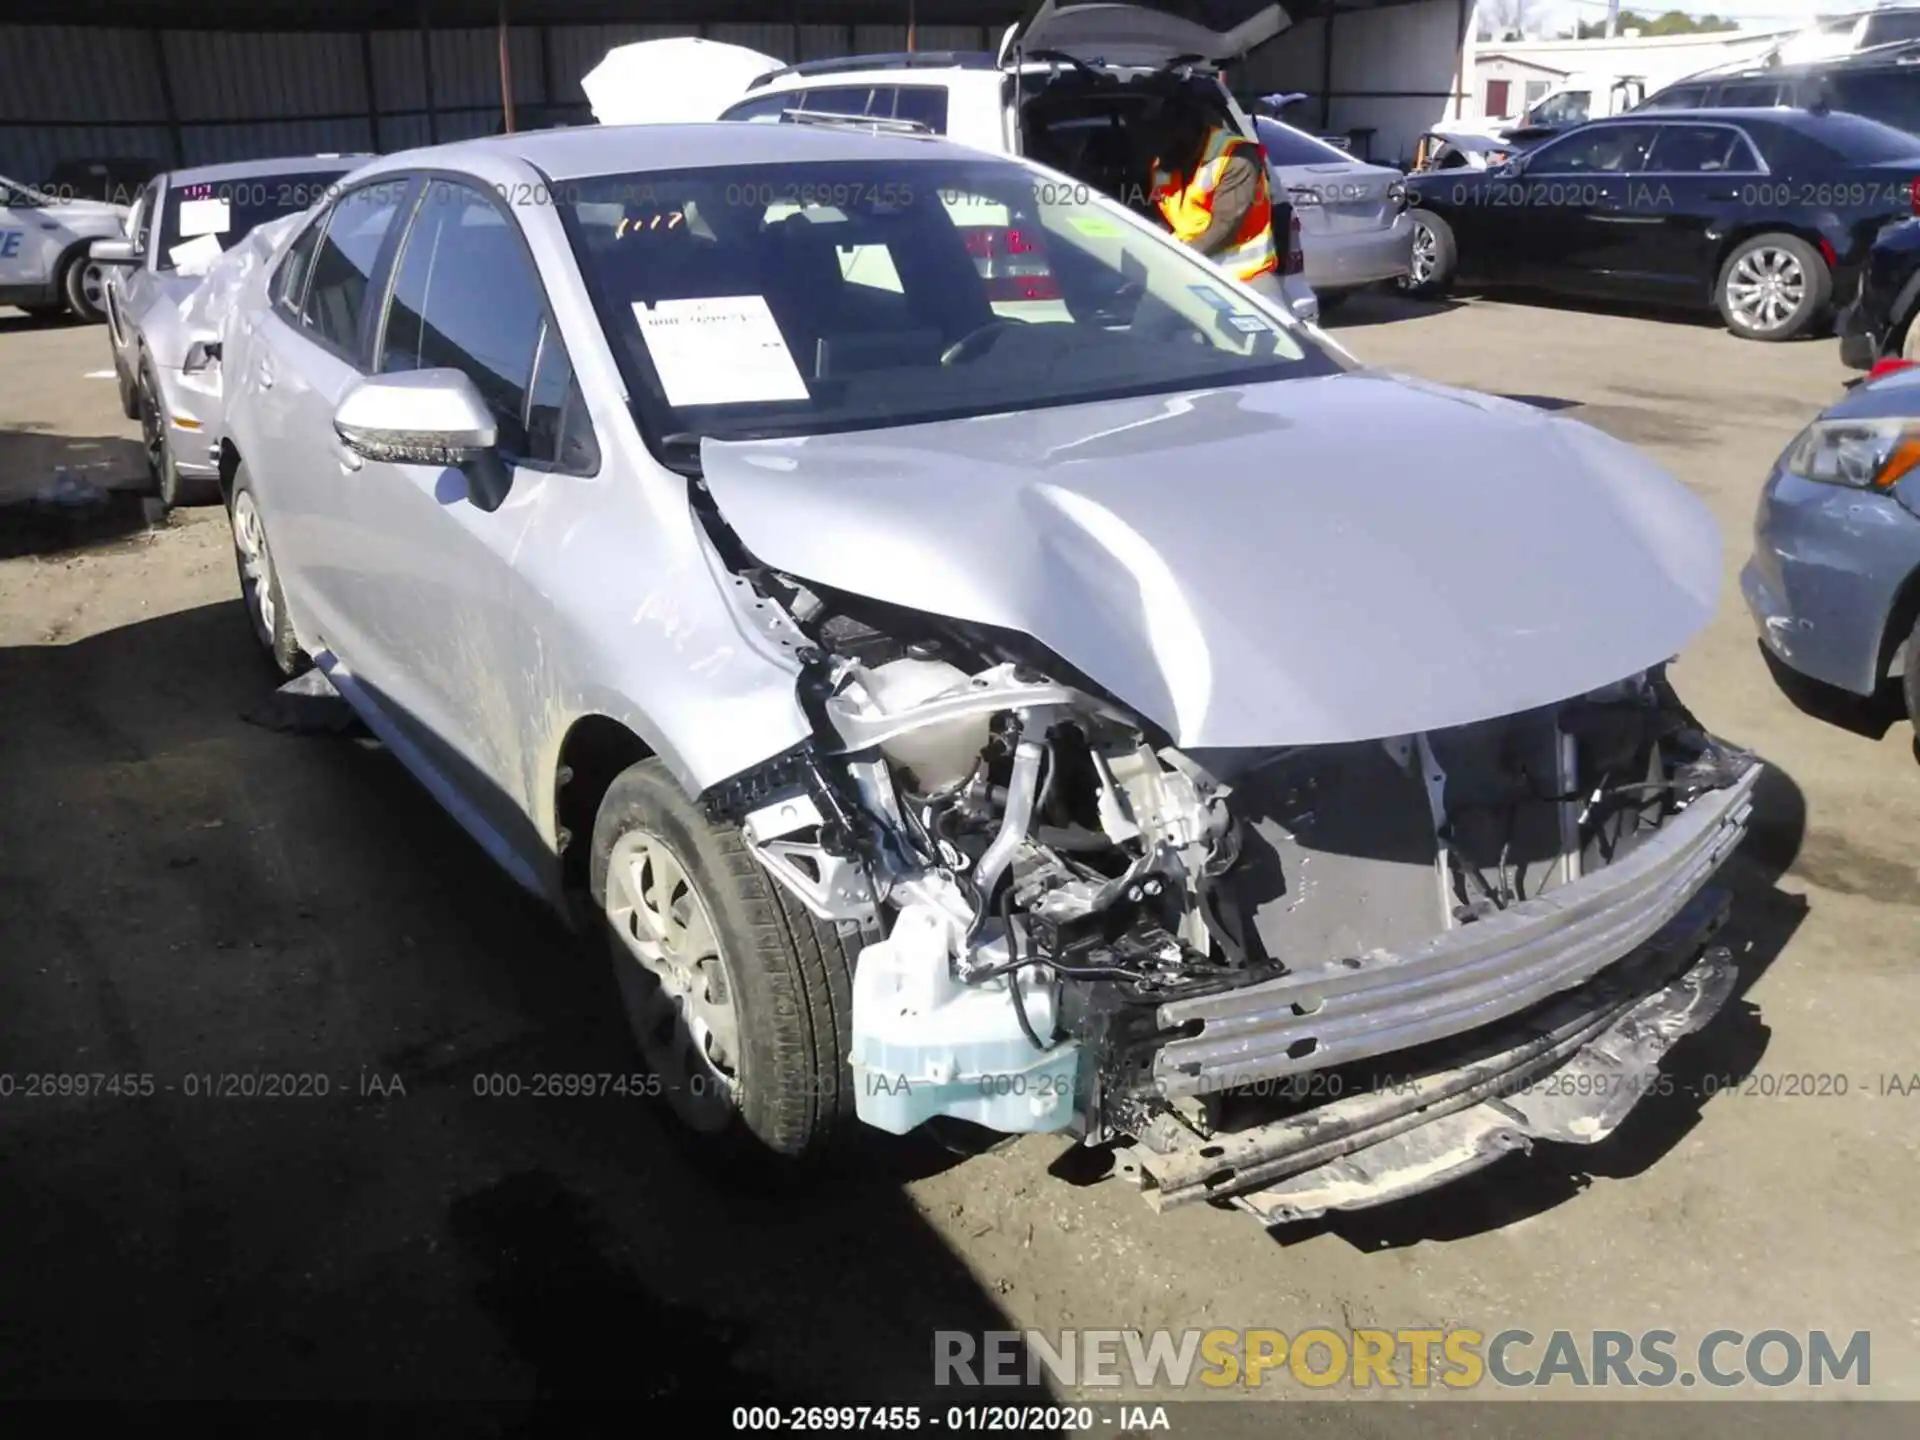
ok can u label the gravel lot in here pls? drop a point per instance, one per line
(185, 895)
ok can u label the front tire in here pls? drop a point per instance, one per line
(260, 582)
(1773, 287)
(740, 1001)
(1436, 257)
(153, 436)
(1910, 679)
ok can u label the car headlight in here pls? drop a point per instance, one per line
(1865, 454)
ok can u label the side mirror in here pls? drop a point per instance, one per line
(426, 417)
(114, 252)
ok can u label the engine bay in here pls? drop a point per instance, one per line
(1035, 873)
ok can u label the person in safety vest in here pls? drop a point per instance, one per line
(1210, 187)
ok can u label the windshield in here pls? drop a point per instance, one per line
(804, 298)
(1287, 146)
(223, 211)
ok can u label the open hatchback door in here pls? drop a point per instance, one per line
(1146, 36)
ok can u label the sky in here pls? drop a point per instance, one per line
(1555, 15)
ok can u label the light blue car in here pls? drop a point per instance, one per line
(1834, 582)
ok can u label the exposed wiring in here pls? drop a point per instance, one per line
(1013, 975)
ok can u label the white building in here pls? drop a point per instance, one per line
(1508, 76)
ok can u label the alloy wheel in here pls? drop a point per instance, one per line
(1766, 288)
(93, 285)
(256, 563)
(679, 994)
(153, 436)
(1426, 255)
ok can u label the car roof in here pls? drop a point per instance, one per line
(280, 165)
(1790, 116)
(590, 150)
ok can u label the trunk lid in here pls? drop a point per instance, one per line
(1338, 199)
(1145, 35)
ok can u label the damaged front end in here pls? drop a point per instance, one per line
(1303, 978)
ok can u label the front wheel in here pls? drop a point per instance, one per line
(1773, 287)
(1435, 258)
(153, 436)
(1910, 678)
(260, 589)
(739, 1000)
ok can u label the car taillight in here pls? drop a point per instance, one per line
(1913, 195)
(1296, 257)
(1888, 367)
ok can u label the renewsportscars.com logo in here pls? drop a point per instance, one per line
(1363, 1359)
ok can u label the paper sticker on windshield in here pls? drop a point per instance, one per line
(205, 217)
(193, 257)
(1100, 227)
(1248, 324)
(721, 351)
(1210, 296)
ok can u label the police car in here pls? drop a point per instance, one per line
(44, 267)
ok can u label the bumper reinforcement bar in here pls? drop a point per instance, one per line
(1601, 1044)
(1363, 1006)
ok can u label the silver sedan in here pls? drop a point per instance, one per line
(182, 222)
(1354, 226)
(1051, 721)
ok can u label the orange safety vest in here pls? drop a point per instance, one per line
(1188, 208)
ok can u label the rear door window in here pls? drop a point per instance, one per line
(1749, 94)
(1678, 97)
(290, 280)
(1890, 97)
(838, 100)
(1701, 150)
(926, 104)
(763, 108)
(343, 265)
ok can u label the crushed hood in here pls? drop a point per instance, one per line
(1306, 562)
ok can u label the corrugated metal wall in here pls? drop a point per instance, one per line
(187, 97)
(190, 97)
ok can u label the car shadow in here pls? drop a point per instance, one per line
(1869, 716)
(468, 1198)
(68, 492)
(18, 321)
(1697, 318)
(1383, 306)
(1763, 920)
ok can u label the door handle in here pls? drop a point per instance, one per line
(265, 373)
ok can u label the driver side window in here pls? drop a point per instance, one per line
(1602, 150)
(461, 244)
